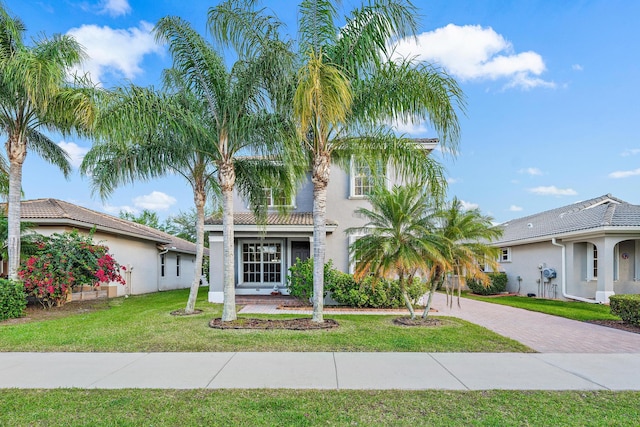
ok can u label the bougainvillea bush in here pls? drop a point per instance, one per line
(64, 262)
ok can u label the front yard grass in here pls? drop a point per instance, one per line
(144, 324)
(73, 407)
(574, 310)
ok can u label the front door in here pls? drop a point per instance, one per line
(301, 250)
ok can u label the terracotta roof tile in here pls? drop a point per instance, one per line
(294, 218)
(55, 211)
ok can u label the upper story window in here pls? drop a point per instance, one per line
(363, 178)
(505, 255)
(274, 198)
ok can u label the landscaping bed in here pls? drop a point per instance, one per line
(304, 324)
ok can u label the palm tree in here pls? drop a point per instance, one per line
(203, 127)
(398, 240)
(35, 95)
(464, 237)
(347, 88)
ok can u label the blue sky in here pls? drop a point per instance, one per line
(552, 90)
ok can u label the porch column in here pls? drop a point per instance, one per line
(216, 261)
(605, 271)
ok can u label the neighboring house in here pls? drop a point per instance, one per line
(155, 261)
(585, 251)
(264, 253)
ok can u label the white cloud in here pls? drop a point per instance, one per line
(552, 190)
(467, 206)
(155, 201)
(531, 171)
(452, 180)
(624, 174)
(115, 210)
(471, 52)
(514, 208)
(410, 128)
(577, 67)
(630, 152)
(118, 51)
(115, 7)
(75, 152)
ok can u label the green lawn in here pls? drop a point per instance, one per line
(570, 309)
(66, 407)
(144, 324)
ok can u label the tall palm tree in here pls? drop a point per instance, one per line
(35, 95)
(398, 240)
(464, 236)
(204, 127)
(347, 88)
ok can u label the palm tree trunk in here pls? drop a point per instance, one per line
(227, 178)
(16, 151)
(437, 279)
(321, 170)
(199, 198)
(405, 296)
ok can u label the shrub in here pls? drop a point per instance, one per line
(627, 307)
(498, 284)
(64, 261)
(300, 278)
(372, 293)
(13, 300)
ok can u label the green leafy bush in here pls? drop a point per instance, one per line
(380, 293)
(13, 300)
(300, 278)
(64, 261)
(498, 284)
(627, 307)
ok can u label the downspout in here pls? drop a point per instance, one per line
(563, 276)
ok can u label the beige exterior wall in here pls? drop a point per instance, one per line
(141, 258)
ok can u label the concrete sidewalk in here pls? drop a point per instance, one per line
(541, 332)
(337, 371)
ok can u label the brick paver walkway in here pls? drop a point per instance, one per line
(541, 332)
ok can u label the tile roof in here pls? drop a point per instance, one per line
(603, 211)
(293, 218)
(53, 211)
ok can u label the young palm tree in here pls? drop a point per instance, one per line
(397, 241)
(203, 127)
(464, 237)
(347, 88)
(35, 95)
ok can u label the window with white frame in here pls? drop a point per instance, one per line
(592, 262)
(261, 262)
(162, 264)
(505, 255)
(363, 180)
(275, 198)
(178, 265)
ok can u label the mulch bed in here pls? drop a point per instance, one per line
(617, 324)
(418, 321)
(304, 324)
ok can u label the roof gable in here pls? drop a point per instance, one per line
(603, 211)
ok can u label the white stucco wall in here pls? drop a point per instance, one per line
(525, 260)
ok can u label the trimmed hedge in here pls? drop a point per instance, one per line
(372, 293)
(627, 307)
(13, 300)
(345, 290)
(498, 284)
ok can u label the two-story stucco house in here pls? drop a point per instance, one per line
(585, 251)
(263, 255)
(155, 261)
